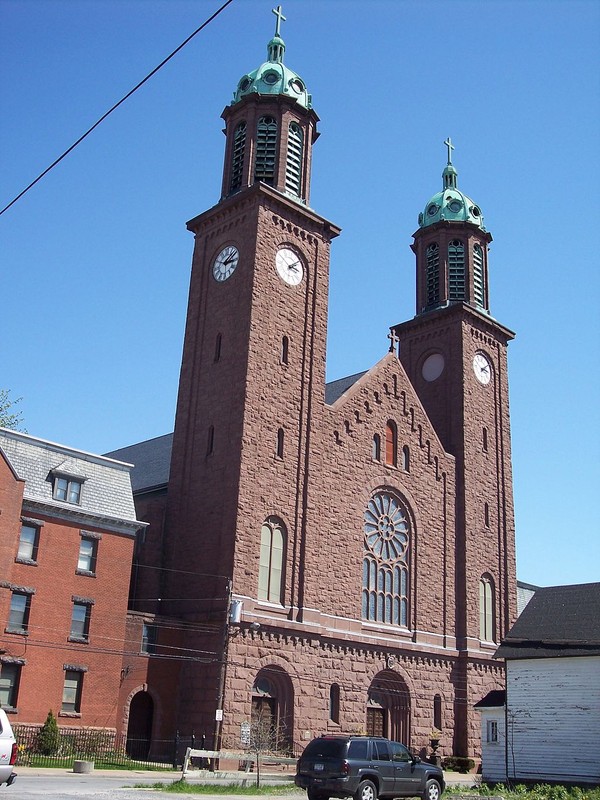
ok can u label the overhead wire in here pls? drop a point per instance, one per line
(115, 106)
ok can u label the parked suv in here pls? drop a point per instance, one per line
(8, 750)
(365, 768)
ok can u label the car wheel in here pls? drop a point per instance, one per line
(366, 791)
(432, 790)
(313, 794)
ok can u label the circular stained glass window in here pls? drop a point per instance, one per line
(297, 85)
(475, 211)
(455, 206)
(245, 84)
(433, 209)
(386, 527)
(270, 77)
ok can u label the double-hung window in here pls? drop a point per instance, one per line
(67, 489)
(20, 605)
(88, 551)
(72, 691)
(10, 675)
(80, 619)
(28, 542)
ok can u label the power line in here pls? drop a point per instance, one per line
(116, 105)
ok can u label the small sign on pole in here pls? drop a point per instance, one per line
(219, 715)
(245, 734)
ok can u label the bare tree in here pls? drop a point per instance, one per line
(8, 417)
(267, 737)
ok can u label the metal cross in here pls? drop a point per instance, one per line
(280, 19)
(394, 340)
(450, 147)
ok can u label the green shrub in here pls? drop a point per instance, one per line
(458, 764)
(48, 738)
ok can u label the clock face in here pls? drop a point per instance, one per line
(225, 263)
(289, 266)
(482, 368)
(433, 366)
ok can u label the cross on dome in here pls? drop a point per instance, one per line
(280, 18)
(450, 147)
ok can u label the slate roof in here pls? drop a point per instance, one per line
(106, 495)
(152, 458)
(558, 621)
(494, 699)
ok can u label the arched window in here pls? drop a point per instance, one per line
(391, 443)
(293, 165)
(334, 703)
(285, 347)
(437, 712)
(376, 453)
(484, 440)
(433, 274)
(280, 436)
(478, 276)
(270, 571)
(266, 145)
(486, 609)
(486, 515)
(406, 458)
(456, 270)
(237, 157)
(386, 560)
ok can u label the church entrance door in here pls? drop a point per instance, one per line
(139, 728)
(388, 707)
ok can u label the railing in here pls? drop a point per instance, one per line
(208, 757)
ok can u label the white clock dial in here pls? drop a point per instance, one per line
(289, 266)
(482, 368)
(433, 366)
(225, 263)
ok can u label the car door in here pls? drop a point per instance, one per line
(383, 765)
(407, 779)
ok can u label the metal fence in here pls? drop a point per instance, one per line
(103, 747)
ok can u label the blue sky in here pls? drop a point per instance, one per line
(95, 259)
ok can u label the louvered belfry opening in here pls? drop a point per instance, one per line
(478, 276)
(456, 270)
(237, 161)
(266, 150)
(433, 274)
(293, 167)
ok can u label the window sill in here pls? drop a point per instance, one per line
(79, 639)
(70, 714)
(31, 562)
(10, 709)
(87, 572)
(16, 631)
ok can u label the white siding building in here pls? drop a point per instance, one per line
(546, 727)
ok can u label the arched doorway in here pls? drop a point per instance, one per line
(272, 718)
(139, 728)
(388, 707)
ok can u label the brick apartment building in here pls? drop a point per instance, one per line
(340, 557)
(67, 530)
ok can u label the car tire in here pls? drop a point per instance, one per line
(314, 794)
(366, 791)
(433, 790)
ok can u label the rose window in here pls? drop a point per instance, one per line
(386, 527)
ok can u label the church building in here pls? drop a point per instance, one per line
(333, 557)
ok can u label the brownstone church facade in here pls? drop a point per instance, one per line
(337, 557)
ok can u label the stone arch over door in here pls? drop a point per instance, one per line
(139, 726)
(388, 707)
(273, 706)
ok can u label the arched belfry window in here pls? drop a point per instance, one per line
(293, 165)
(386, 560)
(433, 274)
(266, 145)
(486, 609)
(456, 270)
(391, 444)
(478, 276)
(237, 157)
(272, 549)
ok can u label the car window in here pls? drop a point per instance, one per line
(358, 749)
(381, 751)
(399, 752)
(326, 748)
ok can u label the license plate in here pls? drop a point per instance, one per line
(319, 767)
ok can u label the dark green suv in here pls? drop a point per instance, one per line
(365, 768)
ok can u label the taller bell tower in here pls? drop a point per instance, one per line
(252, 369)
(455, 354)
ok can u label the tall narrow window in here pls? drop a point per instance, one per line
(334, 703)
(433, 274)
(484, 440)
(486, 515)
(280, 439)
(437, 712)
(218, 342)
(72, 690)
(406, 458)
(386, 560)
(210, 440)
(148, 638)
(266, 145)
(80, 621)
(270, 571)
(391, 444)
(293, 166)
(18, 618)
(376, 453)
(478, 276)
(88, 552)
(237, 158)
(456, 270)
(10, 675)
(285, 348)
(486, 609)
(28, 543)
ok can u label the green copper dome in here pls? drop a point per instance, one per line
(451, 204)
(273, 77)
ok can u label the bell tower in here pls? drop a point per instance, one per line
(252, 376)
(455, 354)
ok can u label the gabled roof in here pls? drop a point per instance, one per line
(151, 460)
(335, 389)
(558, 621)
(494, 699)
